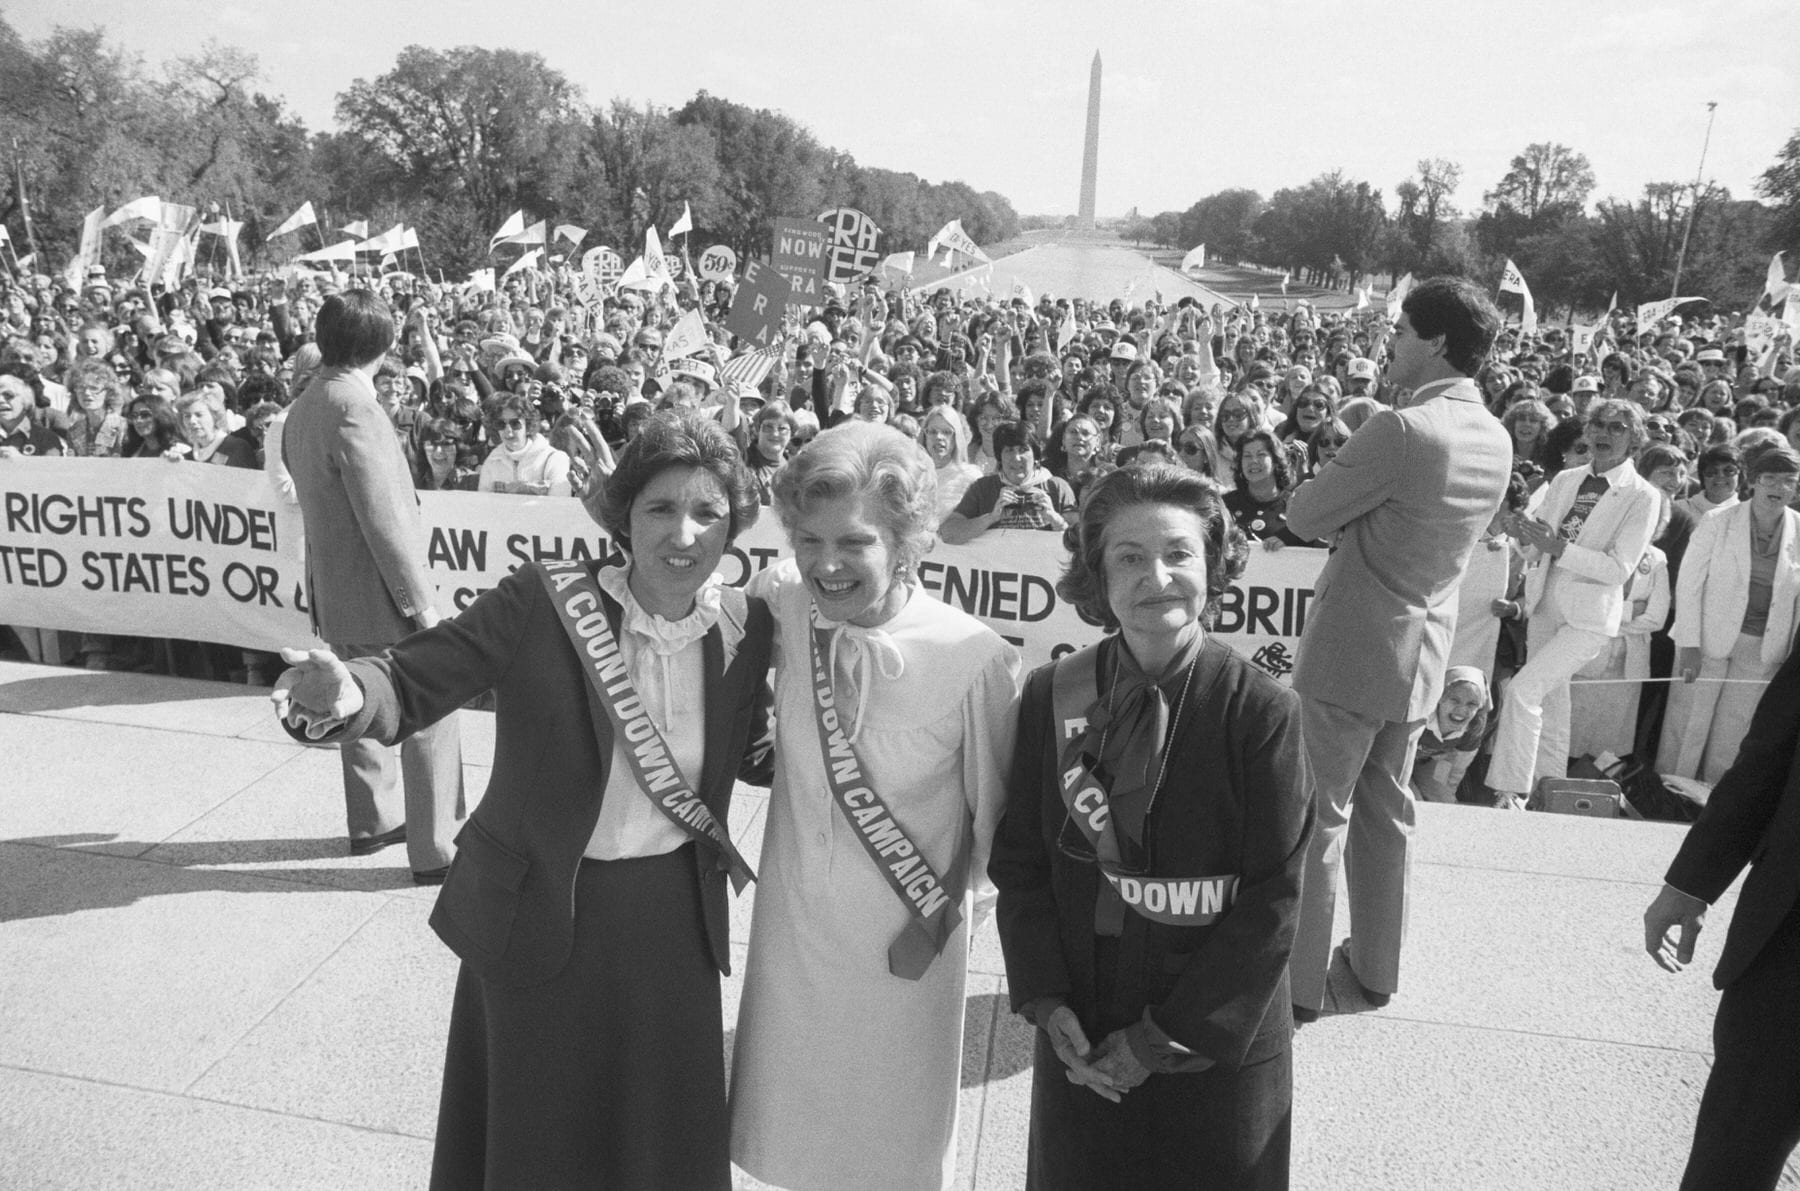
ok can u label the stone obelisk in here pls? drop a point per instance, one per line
(1090, 157)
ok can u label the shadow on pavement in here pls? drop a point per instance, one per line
(39, 890)
(103, 689)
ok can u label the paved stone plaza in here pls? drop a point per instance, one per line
(199, 990)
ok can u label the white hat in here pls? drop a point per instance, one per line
(698, 370)
(1124, 350)
(1360, 368)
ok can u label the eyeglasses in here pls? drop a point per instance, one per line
(1190, 448)
(1234, 415)
(1312, 405)
(1777, 482)
(143, 415)
(442, 444)
(1611, 427)
(512, 424)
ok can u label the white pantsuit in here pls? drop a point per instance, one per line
(1706, 721)
(1575, 602)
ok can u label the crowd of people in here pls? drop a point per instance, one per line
(1147, 924)
(526, 390)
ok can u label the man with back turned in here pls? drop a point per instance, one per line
(366, 576)
(1407, 497)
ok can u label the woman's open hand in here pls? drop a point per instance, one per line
(316, 692)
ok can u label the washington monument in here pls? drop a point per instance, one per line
(1090, 157)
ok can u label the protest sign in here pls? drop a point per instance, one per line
(758, 304)
(853, 247)
(798, 255)
(717, 263)
(210, 553)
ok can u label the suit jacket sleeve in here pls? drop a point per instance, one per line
(1224, 992)
(1722, 841)
(1359, 479)
(432, 673)
(364, 432)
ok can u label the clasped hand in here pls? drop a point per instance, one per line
(316, 692)
(1109, 1072)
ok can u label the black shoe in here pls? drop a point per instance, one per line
(1377, 999)
(369, 845)
(1304, 1016)
(431, 876)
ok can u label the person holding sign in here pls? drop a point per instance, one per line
(587, 900)
(895, 715)
(1149, 863)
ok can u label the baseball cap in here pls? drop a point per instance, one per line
(1585, 384)
(1124, 350)
(1360, 368)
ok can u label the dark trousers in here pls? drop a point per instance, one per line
(1750, 1113)
(1218, 1130)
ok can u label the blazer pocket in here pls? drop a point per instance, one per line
(481, 894)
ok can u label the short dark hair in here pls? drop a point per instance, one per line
(1461, 312)
(1083, 582)
(1776, 459)
(353, 329)
(675, 438)
(1279, 466)
(1716, 456)
(1014, 434)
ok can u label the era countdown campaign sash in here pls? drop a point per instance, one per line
(935, 905)
(1175, 901)
(576, 598)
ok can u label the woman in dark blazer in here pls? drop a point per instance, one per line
(1149, 863)
(586, 1046)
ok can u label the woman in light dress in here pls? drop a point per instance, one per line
(849, 1041)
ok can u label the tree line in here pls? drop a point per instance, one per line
(1335, 230)
(450, 142)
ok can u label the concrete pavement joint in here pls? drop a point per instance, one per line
(1475, 1025)
(164, 1093)
(223, 802)
(283, 998)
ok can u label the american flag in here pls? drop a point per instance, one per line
(751, 367)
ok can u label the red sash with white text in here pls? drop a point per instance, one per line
(576, 598)
(1175, 901)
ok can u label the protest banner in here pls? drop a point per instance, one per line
(718, 263)
(854, 246)
(757, 306)
(210, 553)
(798, 255)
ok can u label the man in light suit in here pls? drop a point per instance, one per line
(1750, 1113)
(366, 577)
(1410, 493)
(1594, 525)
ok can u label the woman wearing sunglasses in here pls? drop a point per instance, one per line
(522, 462)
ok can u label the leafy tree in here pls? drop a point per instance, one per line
(485, 132)
(1546, 179)
(1224, 222)
(1780, 184)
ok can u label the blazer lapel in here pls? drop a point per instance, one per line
(717, 650)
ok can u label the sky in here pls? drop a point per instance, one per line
(1195, 99)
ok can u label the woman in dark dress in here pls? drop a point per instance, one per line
(1149, 864)
(586, 1047)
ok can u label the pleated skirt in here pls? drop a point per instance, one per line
(610, 1075)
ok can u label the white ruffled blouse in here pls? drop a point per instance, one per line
(663, 658)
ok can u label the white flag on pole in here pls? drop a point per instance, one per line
(1397, 295)
(149, 207)
(952, 238)
(410, 238)
(1776, 285)
(1513, 282)
(358, 228)
(343, 250)
(529, 260)
(1651, 313)
(296, 221)
(686, 337)
(1195, 259)
(515, 223)
(568, 231)
(685, 224)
